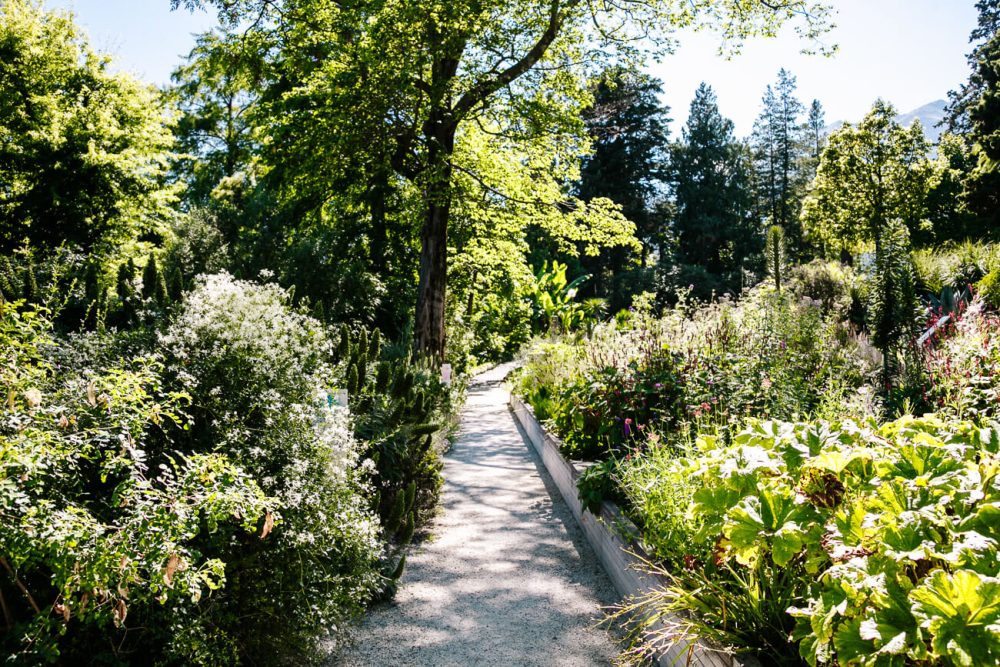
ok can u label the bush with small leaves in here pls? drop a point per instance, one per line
(98, 537)
(259, 374)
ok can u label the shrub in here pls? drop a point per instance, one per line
(97, 537)
(989, 289)
(707, 369)
(961, 368)
(259, 374)
(955, 265)
(829, 283)
(403, 414)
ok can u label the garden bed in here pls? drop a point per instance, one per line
(613, 538)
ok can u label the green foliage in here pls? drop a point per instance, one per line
(953, 265)
(779, 155)
(214, 93)
(704, 369)
(84, 153)
(959, 364)
(553, 299)
(989, 288)
(343, 109)
(258, 373)
(597, 484)
(102, 537)
(869, 176)
(776, 255)
(880, 540)
(892, 300)
(829, 283)
(973, 113)
(401, 411)
(713, 223)
(628, 127)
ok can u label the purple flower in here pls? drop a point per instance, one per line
(628, 427)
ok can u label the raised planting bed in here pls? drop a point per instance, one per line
(613, 538)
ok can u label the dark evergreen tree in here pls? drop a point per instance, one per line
(960, 102)
(778, 155)
(815, 139)
(628, 126)
(764, 145)
(982, 193)
(714, 231)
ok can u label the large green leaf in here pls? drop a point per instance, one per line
(962, 613)
(771, 516)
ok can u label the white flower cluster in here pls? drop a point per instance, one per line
(223, 315)
(261, 371)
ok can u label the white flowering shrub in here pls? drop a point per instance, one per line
(257, 372)
(102, 529)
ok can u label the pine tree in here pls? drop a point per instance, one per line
(982, 187)
(778, 152)
(151, 281)
(628, 127)
(764, 144)
(958, 117)
(815, 133)
(125, 283)
(713, 223)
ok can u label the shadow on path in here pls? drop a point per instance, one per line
(507, 577)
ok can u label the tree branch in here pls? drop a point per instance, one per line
(20, 585)
(482, 90)
(538, 203)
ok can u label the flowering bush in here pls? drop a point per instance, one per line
(962, 364)
(703, 370)
(259, 375)
(97, 535)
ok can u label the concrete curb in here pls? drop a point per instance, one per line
(612, 537)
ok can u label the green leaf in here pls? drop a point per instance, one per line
(962, 613)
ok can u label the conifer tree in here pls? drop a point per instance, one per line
(778, 154)
(713, 223)
(815, 138)
(982, 188)
(960, 102)
(628, 127)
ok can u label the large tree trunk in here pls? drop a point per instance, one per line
(430, 330)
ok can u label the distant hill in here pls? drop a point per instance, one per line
(929, 116)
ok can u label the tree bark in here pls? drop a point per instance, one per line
(430, 324)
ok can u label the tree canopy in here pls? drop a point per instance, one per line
(83, 152)
(713, 223)
(397, 82)
(869, 175)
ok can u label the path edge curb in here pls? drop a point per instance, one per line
(621, 559)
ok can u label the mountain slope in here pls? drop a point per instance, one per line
(929, 116)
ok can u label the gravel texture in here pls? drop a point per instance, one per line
(507, 577)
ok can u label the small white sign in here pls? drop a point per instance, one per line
(445, 373)
(340, 398)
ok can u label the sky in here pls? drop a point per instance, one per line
(909, 52)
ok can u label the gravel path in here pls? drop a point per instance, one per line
(507, 577)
